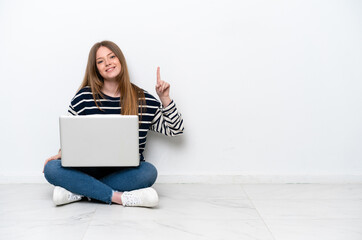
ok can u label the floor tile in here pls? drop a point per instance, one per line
(55, 228)
(175, 229)
(26, 202)
(27, 212)
(309, 209)
(331, 229)
(170, 207)
(303, 191)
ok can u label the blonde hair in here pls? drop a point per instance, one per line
(131, 95)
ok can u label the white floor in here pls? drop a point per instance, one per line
(190, 211)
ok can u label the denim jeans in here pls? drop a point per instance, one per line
(100, 182)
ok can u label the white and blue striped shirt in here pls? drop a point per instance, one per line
(167, 121)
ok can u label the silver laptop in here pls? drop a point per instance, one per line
(99, 141)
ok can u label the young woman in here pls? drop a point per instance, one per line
(106, 89)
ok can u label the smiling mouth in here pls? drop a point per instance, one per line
(110, 69)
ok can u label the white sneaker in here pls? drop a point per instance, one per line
(62, 196)
(145, 197)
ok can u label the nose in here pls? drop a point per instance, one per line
(107, 62)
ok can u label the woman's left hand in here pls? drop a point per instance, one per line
(163, 89)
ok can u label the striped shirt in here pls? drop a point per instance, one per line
(167, 121)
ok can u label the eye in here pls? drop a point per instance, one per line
(99, 62)
(113, 56)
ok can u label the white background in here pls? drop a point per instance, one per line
(265, 87)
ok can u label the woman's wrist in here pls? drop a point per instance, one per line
(165, 101)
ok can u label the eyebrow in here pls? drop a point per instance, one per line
(107, 55)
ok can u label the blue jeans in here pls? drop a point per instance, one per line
(100, 182)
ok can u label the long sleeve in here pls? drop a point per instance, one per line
(71, 111)
(168, 121)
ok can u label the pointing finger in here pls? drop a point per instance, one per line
(158, 75)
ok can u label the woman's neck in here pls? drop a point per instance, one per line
(110, 88)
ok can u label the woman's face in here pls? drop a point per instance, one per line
(107, 63)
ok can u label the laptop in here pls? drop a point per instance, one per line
(99, 141)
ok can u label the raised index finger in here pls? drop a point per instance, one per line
(158, 75)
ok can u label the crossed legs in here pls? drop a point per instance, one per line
(103, 184)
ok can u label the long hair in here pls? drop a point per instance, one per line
(131, 95)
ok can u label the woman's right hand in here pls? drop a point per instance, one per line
(55, 157)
